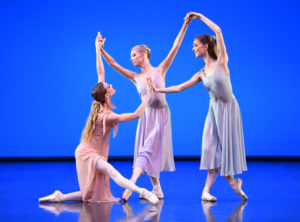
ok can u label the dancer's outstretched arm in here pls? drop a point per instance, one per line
(178, 88)
(100, 68)
(125, 117)
(164, 66)
(125, 72)
(110, 60)
(222, 54)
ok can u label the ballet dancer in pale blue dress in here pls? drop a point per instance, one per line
(223, 142)
(153, 144)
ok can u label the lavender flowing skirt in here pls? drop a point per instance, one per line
(153, 145)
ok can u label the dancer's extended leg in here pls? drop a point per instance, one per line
(109, 170)
(236, 185)
(157, 188)
(211, 177)
(137, 172)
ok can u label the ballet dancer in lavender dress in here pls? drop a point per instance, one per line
(91, 155)
(153, 144)
(223, 142)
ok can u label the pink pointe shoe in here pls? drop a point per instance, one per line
(158, 192)
(238, 189)
(207, 197)
(127, 193)
(149, 196)
(54, 198)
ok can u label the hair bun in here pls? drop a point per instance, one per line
(148, 51)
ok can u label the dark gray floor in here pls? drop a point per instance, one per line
(273, 189)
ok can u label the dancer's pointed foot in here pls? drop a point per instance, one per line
(237, 187)
(149, 196)
(207, 197)
(158, 192)
(127, 193)
(56, 197)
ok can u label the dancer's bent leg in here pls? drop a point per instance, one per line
(211, 177)
(137, 172)
(236, 185)
(110, 171)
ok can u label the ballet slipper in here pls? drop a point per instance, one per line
(158, 192)
(55, 197)
(207, 197)
(127, 193)
(149, 196)
(237, 187)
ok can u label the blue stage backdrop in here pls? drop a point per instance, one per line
(48, 68)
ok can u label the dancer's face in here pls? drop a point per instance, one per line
(137, 57)
(109, 89)
(199, 49)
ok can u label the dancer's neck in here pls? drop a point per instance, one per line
(209, 61)
(146, 67)
(107, 106)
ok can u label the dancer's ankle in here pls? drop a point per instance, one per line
(205, 190)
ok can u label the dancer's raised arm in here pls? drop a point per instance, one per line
(222, 54)
(164, 66)
(100, 68)
(110, 60)
(178, 88)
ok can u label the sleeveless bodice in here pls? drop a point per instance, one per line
(218, 85)
(157, 100)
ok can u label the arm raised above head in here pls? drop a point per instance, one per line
(164, 66)
(125, 72)
(222, 54)
(110, 60)
(100, 68)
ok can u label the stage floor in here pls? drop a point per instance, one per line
(273, 189)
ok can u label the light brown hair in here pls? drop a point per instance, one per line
(98, 93)
(144, 49)
(212, 44)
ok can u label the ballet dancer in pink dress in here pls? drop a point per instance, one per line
(91, 155)
(223, 141)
